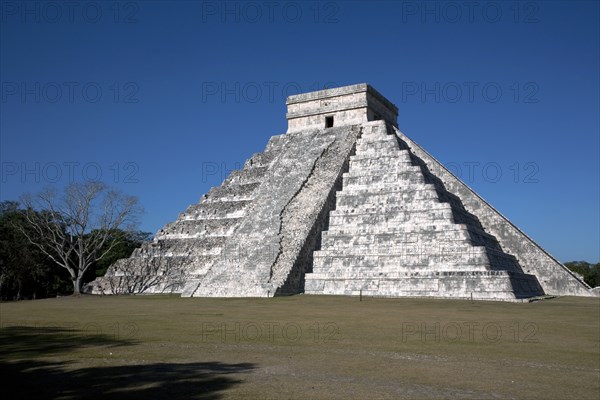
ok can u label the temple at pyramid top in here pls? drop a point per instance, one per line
(347, 105)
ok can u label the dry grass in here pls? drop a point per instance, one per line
(300, 347)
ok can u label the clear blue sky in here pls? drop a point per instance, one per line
(163, 98)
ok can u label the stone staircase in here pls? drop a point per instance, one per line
(275, 234)
(396, 231)
(183, 251)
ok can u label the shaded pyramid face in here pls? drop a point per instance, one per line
(342, 204)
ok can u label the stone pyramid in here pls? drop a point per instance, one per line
(342, 204)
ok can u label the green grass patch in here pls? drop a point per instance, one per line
(300, 347)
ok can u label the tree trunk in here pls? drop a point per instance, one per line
(19, 290)
(76, 286)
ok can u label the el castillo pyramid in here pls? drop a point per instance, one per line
(342, 204)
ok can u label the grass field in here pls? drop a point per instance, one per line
(165, 347)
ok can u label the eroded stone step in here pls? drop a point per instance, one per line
(230, 193)
(476, 285)
(185, 246)
(400, 173)
(246, 176)
(385, 146)
(391, 163)
(200, 227)
(397, 186)
(389, 208)
(383, 198)
(400, 155)
(223, 209)
(397, 257)
(390, 179)
(332, 240)
(426, 228)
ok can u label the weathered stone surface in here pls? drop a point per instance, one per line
(555, 278)
(258, 259)
(345, 204)
(184, 250)
(397, 231)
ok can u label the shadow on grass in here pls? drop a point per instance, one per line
(27, 372)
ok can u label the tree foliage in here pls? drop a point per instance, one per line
(75, 229)
(589, 272)
(26, 272)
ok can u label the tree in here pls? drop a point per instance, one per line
(75, 229)
(127, 242)
(25, 272)
(589, 272)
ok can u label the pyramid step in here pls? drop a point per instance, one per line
(385, 221)
(478, 285)
(422, 206)
(400, 262)
(401, 171)
(377, 215)
(406, 228)
(345, 199)
(332, 240)
(196, 228)
(455, 246)
(386, 151)
(501, 260)
(334, 265)
(245, 176)
(187, 246)
(276, 143)
(409, 232)
(359, 272)
(396, 212)
(377, 146)
(414, 254)
(389, 179)
(397, 186)
(370, 137)
(399, 155)
(263, 159)
(400, 187)
(390, 163)
(398, 203)
(231, 192)
(216, 210)
(481, 238)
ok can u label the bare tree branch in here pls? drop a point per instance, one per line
(78, 228)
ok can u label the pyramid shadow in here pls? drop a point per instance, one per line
(28, 372)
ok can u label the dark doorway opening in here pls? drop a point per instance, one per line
(329, 122)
